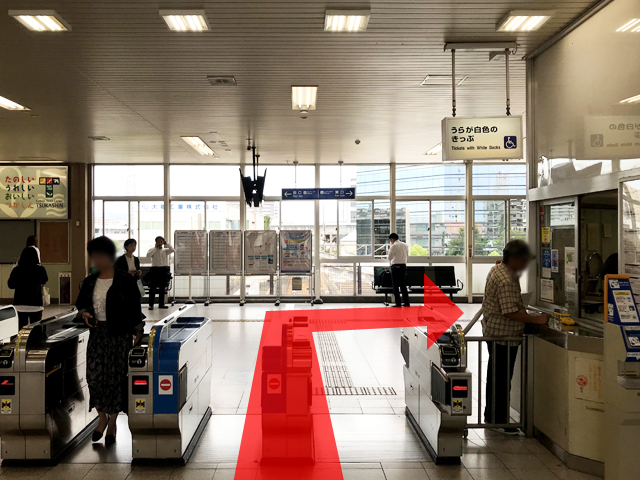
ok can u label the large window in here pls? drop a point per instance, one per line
(284, 176)
(204, 181)
(421, 180)
(412, 226)
(368, 180)
(506, 179)
(447, 228)
(128, 180)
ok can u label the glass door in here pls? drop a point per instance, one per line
(558, 251)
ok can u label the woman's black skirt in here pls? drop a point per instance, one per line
(107, 368)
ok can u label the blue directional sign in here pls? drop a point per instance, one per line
(337, 193)
(348, 193)
(299, 194)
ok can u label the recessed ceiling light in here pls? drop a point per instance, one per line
(435, 150)
(346, 20)
(198, 144)
(217, 80)
(185, 20)
(632, 25)
(443, 80)
(524, 20)
(40, 20)
(635, 99)
(303, 98)
(9, 105)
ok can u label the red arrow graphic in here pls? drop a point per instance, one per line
(289, 435)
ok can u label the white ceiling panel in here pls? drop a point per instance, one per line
(121, 73)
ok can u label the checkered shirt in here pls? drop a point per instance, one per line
(502, 295)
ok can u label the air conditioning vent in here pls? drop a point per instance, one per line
(99, 138)
(217, 81)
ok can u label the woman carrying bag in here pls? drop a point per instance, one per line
(27, 279)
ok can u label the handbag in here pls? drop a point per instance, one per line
(140, 287)
(46, 297)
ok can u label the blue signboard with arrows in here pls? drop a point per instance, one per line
(319, 193)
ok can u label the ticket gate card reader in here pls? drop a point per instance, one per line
(170, 389)
(437, 390)
(621, 383)
(44, 391)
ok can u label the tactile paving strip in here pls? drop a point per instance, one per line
(337, 380)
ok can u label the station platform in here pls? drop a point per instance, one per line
(373, 437)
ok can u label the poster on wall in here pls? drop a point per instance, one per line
(546, 263)
(295, 252)
(482, 138)
(546, 290)
(191, 252)
(555, 260)
(260, 250)
(34, 192)
(588, 379)
(225, 252)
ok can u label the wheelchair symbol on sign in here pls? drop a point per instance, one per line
(510, 143)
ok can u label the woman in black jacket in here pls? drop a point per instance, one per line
(27, 278)
(129, 262)
(109, 303)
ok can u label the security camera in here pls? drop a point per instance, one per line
(357, 141)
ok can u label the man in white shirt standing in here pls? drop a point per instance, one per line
(398, 257)
(160, 271)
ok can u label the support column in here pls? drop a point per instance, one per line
(80, 227)
(469, 228)
(316, 240)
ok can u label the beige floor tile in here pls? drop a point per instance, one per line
(533, 474)
(65, 474)
(506, 445)
(534, 446)
(564, 473)
(549, 460)
(405, 474)
(517, 460)
(224, 474)
(360, 465)
(482, 460)
(363, 474)
(402, 465)
(490, 474)
(446, 472)
(201, 465)
(24, 473)
(193, 474)
(150, 473)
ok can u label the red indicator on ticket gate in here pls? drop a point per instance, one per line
(274, 383)
(459, 388)
(165, 384)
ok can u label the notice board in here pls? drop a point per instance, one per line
(54, 242)
(225, 252)
(260, 250)
(191, 252)
(14, 238)
(295, 252)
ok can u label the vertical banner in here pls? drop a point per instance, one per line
(295, 252)
(191, 252)
(260, 250)
(225, 252)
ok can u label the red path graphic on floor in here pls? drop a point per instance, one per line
(288, 432)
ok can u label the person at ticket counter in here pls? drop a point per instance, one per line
(109, 304)
(398, 257)
(505, 315)
(129, 262)
(27, 279)
(160, 272)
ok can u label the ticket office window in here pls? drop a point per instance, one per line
(558, 256)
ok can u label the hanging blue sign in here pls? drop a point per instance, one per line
(319, 193)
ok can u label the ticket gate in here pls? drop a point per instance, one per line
(437, 390)
(170, 389)
(43, 389)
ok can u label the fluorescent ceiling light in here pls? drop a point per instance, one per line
(635, 99)
(346, 20)
(632, 25)
(524, 20)
(303, 98)
(443, 80)
(435, 150)
(198, 144)
(9, 105)
(185, 20)
(40, 20)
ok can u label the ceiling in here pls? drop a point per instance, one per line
(121, 73)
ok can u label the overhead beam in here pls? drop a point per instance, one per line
(480, 46)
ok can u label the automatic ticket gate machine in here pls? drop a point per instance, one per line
(170, 389)
(286, 397)
(437, 390)
(621, 380)
(43, 390)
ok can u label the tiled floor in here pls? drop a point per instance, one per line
(374, 440)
